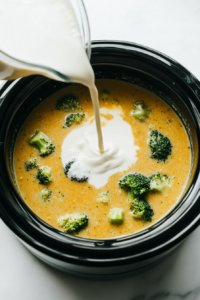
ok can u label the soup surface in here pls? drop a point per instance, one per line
(71, 196)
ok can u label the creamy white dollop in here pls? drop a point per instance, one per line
(82, 143)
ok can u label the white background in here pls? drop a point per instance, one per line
(172, 27)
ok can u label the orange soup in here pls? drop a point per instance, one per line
(70, 197)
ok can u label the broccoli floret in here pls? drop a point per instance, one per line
(137, 183)
(140, 111)
(105, 94)
(159, 182)
(104, 197)
(68, 103)
(160, 146)
(116, 216)
(44, 144)
(74, 167)
(45, 195)
(44, 175)
(73, 223)
(68, 166)
(141, 209)
(74, 118)
(31, 164)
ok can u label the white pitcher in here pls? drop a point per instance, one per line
(12, 67)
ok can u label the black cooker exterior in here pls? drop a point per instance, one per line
(111, 258)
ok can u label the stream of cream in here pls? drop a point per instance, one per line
(46, 33)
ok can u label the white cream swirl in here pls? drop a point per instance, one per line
(120, 151)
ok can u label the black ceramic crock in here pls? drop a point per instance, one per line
(110, 258)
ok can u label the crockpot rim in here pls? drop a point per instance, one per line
(118, 45)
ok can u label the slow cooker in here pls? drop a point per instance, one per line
(116, 257)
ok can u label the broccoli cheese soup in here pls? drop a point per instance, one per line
(138, 178)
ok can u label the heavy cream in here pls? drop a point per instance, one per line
(119, 154)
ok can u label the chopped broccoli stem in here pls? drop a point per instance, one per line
(159, 182)
(105, 94)
(116, 216)
(74, 118)
(45, 195)
(104, 197)
(69, 103)
(141, 209)
(160, 146)
(136, 183)
(73, 223)
(43, 143)
(140, 111)
(31, 164)
(72, 175)
(44, 175)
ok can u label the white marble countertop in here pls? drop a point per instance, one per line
(172, 27)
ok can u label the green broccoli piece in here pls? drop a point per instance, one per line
(73, 223)
(159, 182)
(74, 118)
(45, 195)
(136, 183)
(71, 172)
(160, 146)
(31, 164)
(141, 209)
(140, 111)
(69, 103)
(43, 143)
(68, 166)
(104, 197)
(116, 216)
(105, 94)
(44, 175)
